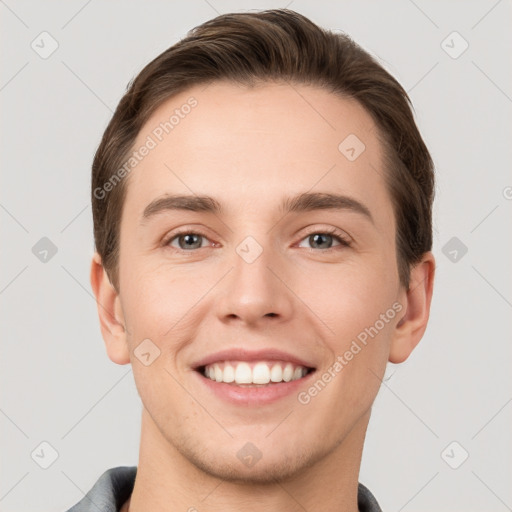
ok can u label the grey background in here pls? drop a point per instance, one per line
(57, 384)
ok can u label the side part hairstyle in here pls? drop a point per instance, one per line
(279, 46)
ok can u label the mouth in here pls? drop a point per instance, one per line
(252, 378)
(248, 378)
(254, 373)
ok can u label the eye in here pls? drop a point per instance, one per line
(187, 241)
(325, 240)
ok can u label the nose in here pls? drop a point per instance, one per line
(255, 292)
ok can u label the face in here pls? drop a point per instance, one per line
(255, 247)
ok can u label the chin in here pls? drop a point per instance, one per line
(271, 468)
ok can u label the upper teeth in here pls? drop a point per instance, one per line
(254, 373)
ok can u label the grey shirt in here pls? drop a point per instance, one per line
(115, 486)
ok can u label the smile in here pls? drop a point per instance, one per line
(253, 378)
(254, 373)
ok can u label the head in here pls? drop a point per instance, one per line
(262, 185)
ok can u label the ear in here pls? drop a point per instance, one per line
(110, 313)
(416, 311)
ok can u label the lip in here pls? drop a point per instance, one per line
(254, 396)
(241, 354)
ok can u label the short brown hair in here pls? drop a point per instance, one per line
(273, 46)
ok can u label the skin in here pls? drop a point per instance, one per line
(249, 148)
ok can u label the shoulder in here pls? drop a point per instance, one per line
(366, 501)
(109, 492)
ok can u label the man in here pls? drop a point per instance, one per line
(262, 216)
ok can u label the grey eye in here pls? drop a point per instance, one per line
(188, 241)
(320, 240)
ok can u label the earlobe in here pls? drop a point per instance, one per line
(110, 313)
(413, 322)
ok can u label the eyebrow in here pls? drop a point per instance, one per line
(307, 202)
(181, 202)
(304, 202)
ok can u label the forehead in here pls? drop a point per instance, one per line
(251, 145)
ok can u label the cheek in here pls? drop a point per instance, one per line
(156, 297)
(157, 314)
(358, 306)
(350, 298)
(359, 351)
(166, 306)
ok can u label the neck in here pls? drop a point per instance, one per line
(166, 480)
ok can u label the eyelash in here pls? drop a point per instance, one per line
(336, 234)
